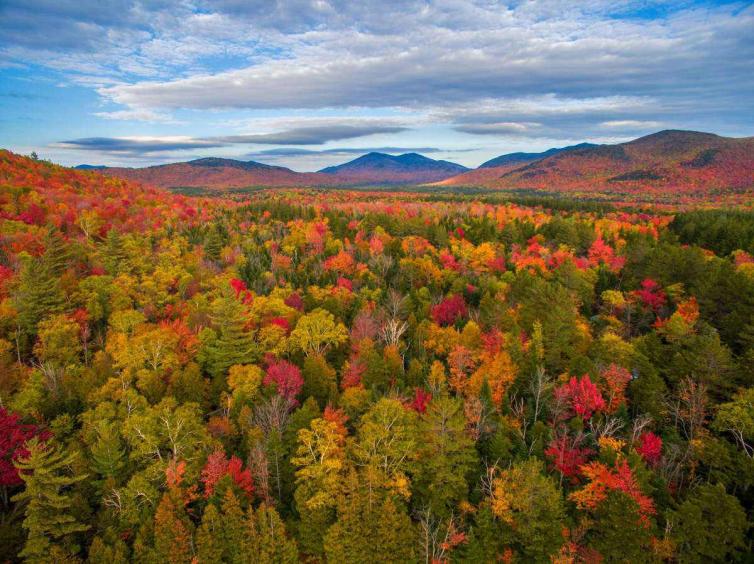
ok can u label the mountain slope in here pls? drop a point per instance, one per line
(216, 173)
(384, 168)
(670, 161)
(523, 158)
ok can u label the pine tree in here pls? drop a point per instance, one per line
(172, 531)
(213, 244)
(446, 457)
(37, 296)
(234, 344)
(57, 255)
(369, 528)
(268, 542)
(108, 454)
(209, 537)
(47, 517)
(113, 254)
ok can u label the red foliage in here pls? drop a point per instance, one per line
(353, 374)
(217, 467)
(295, 301)
(13, 437)
(650, 448)
(287, 379)
(421, 400)
(450, 310)
(242, 292)
(651, 295)
(602, 253)
(567, 457)
(281, 322)
(582, 395)
(615, 378)
(602, 479)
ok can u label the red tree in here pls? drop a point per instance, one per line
(286, 377)
(450, 310)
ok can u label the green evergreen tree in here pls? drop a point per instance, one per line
(617, 533)
(319, 380)
(709, 526)
(46, 474)
(38, 295)
(369, 528)
(233, 343)
(213, 244)
(209, 537)
(267, 539)
(447, 456)
(113, 253)
(108, 453)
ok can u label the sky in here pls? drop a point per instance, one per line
(307, 84)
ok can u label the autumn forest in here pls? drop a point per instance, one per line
(336, 376)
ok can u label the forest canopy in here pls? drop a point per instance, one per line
(298, 375)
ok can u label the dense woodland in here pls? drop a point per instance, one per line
(352, 377)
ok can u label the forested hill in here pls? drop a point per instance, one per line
(333, 376)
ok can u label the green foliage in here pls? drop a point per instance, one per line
(48, 517)
(709, 526)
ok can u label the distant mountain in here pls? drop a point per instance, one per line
(383, 168)
(219, 174)
(668, 162)
(523, 158)
(89, 167)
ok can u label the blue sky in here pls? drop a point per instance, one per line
(307, 84)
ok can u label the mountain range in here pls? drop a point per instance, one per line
(667, 161)
(690, 161)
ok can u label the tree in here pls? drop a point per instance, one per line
(386, 447)
(13, 437)
(45, 472)
(530, 506)
(737, 418)
(320, 381)
(287, 380)
(267, 538)
(209, 536)
(317, 332)
(320, 459)
(368, 529)
(172, 531)
(446, 456)
(232, 343)
(617, 533)
(37, 295)
(709, 526)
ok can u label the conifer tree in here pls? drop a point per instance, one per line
(209, 537)
(37, 296)
(368, 528)
(233, 343)
(108, 453)
(113, 254)
(46, 474)
(268, 542)
(213, 244)
(172, 531)
(446, 457)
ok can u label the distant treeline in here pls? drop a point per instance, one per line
(717, 230)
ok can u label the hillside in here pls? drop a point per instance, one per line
(523, 158)
(383, 168)
(218, 174)
(222, 174)
(672, 161)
